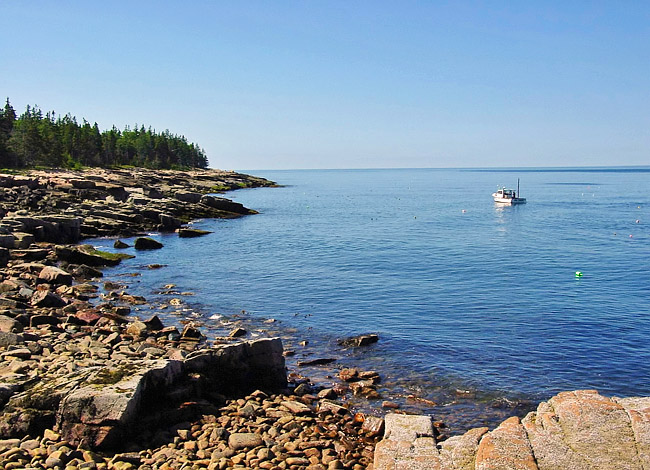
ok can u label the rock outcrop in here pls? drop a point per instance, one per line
(101, 406)
(572, 431)
(65, 206)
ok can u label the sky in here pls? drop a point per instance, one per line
(347, 84)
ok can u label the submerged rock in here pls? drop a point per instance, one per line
(192, 232)
(358, 341)
(119, 244)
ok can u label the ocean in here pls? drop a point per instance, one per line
(478, 308)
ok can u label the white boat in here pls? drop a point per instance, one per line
(508, 196)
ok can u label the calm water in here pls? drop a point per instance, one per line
(464, 294)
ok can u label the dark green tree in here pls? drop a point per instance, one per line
(37, 140)
(7, 120)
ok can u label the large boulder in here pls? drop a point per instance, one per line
(102, 406)
(86, 254)
(247, 366)
(168, 222)
(584, 426)
(147, 243)
(573, 430)
(101, 412)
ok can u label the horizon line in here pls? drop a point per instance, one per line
(467, 168)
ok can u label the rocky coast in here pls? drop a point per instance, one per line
(86, 383)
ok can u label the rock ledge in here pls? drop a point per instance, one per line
(573, 430)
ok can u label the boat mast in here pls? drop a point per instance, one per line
(517, 187)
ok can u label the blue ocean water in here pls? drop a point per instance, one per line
(475, 304)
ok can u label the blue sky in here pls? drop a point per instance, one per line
(347, 84)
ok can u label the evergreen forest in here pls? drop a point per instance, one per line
(34, 139)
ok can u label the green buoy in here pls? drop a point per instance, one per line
(578, 273)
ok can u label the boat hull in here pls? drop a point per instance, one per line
(510, 201)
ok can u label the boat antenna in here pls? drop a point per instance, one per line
(518, 195)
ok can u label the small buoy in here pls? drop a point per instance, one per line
(637, 221)
(631, 236)
(463, 211)
(578, 273)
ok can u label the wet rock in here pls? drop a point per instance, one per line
(389, 405)
(192, 232)
(119, 244)
(147, 243)
(327, 393)
(303, 389)
(86, 254)
(349, 374)
(358, 341)
(237, 332)
(316, 362)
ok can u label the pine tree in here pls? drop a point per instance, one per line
(7, 120)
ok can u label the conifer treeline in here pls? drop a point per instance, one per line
(34, 139)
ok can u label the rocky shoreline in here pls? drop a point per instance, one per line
(85, 383)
